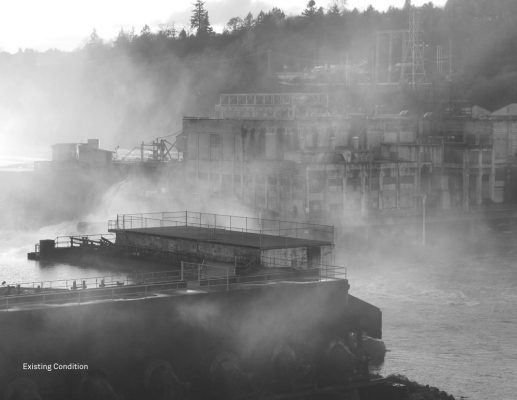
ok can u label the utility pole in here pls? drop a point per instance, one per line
(424, 198)
(269, 62)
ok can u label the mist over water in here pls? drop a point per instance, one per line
(449, 310)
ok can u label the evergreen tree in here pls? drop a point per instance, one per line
(199, 19)
(248, 22)
(334, 10)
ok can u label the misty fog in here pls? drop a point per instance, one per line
(449, 305)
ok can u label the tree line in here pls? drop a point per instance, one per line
(142, 82)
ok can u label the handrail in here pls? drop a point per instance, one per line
(153, 288)
(252, 225)
(68, 241)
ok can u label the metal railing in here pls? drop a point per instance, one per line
(251, 225)
(205, 274)
(217, 276)
(108, 293)
(83, 240)
(300, 264)
(75, 283)
(143, 285)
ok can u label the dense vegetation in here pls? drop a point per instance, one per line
(138, 85)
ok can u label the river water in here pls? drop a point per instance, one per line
(449, 314)
(449, 310)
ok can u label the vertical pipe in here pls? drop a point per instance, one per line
(390, 56)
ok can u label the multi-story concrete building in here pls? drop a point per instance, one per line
(287, 154)
(309, 165)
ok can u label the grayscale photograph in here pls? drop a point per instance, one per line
(258, 200)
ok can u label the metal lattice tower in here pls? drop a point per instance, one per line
(413, 70)
(444, 61)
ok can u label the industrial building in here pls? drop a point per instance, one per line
(85, 154)
(228, 240)
(287, 154)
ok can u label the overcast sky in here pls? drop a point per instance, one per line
(65, 24)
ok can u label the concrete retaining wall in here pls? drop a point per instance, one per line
(121, 337)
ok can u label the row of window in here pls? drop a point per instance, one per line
(317, 183)
(255, 99)
(256, 143)
(273, 99)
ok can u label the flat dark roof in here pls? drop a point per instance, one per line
(227, 237)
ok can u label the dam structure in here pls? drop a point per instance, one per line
(236, 307)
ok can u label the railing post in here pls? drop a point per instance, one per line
(182, 273)
(227, 279)
(186, 218)
(7, 303)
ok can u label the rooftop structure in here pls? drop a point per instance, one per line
(88, 153)
(272, 105)
(509, 111)
(227, 238)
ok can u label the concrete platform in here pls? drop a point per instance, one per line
(227, 237)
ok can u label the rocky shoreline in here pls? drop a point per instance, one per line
(417, 391)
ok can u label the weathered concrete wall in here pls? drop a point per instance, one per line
(277, 257)
(296, 257)
(121, 338)
(327, 255)
(190, 248)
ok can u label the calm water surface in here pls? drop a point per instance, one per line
(449, 319)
